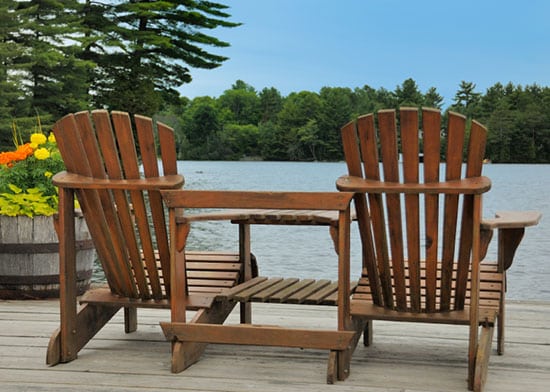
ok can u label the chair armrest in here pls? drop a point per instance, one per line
(471, 185)
(269, 216)
(76, 181)
(511, 228)
(326, 201)
(512, 220)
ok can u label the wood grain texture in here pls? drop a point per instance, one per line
(421, 357)
(421, 229)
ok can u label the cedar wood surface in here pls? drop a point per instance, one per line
(404, 356)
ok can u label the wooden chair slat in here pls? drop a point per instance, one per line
(365, 127)
(265, 295)
(431, 124)
(301, 295)
(230, 293)
(283, 295)
(213, 275)
(167, 141)
(453, 168)
(210, 282)
(410, 147)
(476, 149)
(245, 295)
(375, 255)
(210, 266)
(388, 145)
(320, 296)
(146, 139)
(147, 150)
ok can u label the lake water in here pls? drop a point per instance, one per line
(307, 251)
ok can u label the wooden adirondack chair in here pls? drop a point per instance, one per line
(124, 213)
(421, 230)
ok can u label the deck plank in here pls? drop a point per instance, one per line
(421, 357)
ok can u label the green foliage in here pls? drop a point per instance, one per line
(61, 56)
(32, 202)
(271, 103)
(273, 142)
(143, 49)
(25, 177)
(242, 103)
(240, 140)
(49, 64)
(518, 120)
(408, 94)
(306, 125)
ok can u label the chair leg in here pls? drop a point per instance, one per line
(339, 362)
(338, 365)
(185, 354)
(500, 319)
(367, 334)
(332, 368)
(130, 319)
(88, 321)
(500, 330)
(246, 312)
(482, 357)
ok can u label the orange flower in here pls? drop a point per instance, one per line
(22, 152)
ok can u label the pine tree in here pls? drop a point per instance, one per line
(50, 67)
(144, 49)
(10, 95)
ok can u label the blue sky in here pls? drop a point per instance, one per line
(296, 45)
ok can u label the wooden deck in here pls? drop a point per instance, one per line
(404, 357)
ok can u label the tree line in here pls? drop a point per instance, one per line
(243, 123)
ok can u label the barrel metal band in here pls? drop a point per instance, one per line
(51, 247)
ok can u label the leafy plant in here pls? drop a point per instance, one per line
(25, 176)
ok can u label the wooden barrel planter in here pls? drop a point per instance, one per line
(29, 257)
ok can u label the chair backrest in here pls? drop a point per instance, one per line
(128, 226)
(417, 246)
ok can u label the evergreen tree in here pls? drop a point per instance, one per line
(364, 100)
(336, 110)
(150, 45)
(466, 99)
(271, 103)
(49, 66)
(10, 94)
(432, 98)
(408, 94)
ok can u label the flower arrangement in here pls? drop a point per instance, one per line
(25, 177)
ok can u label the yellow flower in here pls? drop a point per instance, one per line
(48, 174)
(51, 138)
(38, 138)
(42, 153)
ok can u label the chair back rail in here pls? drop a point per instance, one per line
(411, 255)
